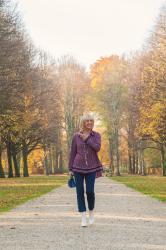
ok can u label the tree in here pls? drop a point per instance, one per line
(108, 81)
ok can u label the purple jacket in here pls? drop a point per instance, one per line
(83, 155)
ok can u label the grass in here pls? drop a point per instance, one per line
(14, 191)
(155, 186)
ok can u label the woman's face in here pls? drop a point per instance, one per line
(88, 124)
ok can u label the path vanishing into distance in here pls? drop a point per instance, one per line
(124, 219)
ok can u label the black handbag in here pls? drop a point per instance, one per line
(71, 182)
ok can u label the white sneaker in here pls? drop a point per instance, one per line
(83, 222)
(91, 217)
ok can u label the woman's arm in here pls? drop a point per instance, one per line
(73, 152)
(94, 141)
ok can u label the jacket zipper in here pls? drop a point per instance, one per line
(85, 155)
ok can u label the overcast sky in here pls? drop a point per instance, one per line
(89, 29)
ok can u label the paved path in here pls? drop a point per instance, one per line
(124, 219)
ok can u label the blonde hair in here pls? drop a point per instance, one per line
(86, 116)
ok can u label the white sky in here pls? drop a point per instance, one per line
(89, 29)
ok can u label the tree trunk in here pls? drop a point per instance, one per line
(25, 160)
(163, 161)
(54, 158)
(142, 163)
(50, 160)
(46, 161)
(46, 165)
(117, 172)
(133, 156)
(60, 162)
(130, 162)
(9, 158)
(56, 161)
(19, 156)
(2, 173)
(111, 156)
(16, 166)
(136, 163)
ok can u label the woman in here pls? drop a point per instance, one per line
(85, 164)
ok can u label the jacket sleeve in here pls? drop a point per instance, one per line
(94, 142)
(73, 152)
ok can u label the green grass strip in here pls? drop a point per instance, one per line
(15, 191)
(155, 186)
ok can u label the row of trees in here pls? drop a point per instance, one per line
(132, 100)
(41, 98)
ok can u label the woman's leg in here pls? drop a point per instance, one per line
(79, 179)
(90, 182)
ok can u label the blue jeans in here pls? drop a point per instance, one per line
(90, 182)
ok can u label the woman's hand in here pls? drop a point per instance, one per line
(71, 173)
(83, 136)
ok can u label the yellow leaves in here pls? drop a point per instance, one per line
(94, 83)
(150, 119)
(105, 69)
(36, 156)
(27, 101)
(97, 82)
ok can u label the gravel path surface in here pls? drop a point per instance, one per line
(124, 219)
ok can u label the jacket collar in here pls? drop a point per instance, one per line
(91, 133)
